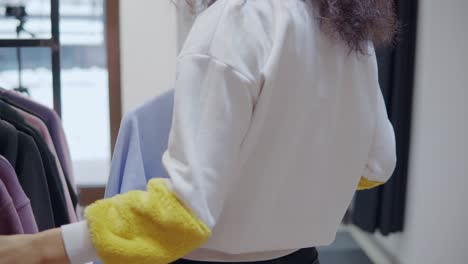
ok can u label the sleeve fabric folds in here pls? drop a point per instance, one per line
(212, 113)
(382, 155)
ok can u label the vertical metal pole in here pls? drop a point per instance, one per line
(19, 60)
(20, 68)
(55, 53)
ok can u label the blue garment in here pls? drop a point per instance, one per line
(142, 140)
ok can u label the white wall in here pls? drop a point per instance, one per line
(148, 49)
(436, 225)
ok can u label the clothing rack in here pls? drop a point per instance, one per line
(54, 44)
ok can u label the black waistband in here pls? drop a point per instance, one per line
(303, 256)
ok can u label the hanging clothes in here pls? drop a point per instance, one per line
(36, 123)
(142, 140)
(22, 153)
(54, 125)
(10, 223)
(50, 167)
(20, 200)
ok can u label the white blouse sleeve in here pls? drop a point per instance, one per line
(212, 113)
(382, 156)
(78, 244)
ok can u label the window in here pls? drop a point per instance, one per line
(84, 76)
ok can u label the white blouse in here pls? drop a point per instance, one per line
(274, 124)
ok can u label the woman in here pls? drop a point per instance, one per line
(278, 118)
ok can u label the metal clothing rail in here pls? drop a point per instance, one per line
(54, 44)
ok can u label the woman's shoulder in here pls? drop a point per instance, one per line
(236, 32)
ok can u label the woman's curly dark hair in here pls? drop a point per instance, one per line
(356, 21)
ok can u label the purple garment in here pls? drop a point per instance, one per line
(10, 223)
(21, 202)
(53, 123)
(39, 125)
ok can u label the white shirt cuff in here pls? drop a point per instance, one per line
(78, 244)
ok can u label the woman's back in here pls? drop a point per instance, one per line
(306, 120)
(275, 125)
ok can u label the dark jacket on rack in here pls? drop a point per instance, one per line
(22, 153)
(53, 123)
(56, 194)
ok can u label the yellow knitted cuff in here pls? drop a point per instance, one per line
(365, 184)
(144, 227)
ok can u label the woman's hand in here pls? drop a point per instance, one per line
(46, 247)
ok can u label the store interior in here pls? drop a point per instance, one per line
(94, 61)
